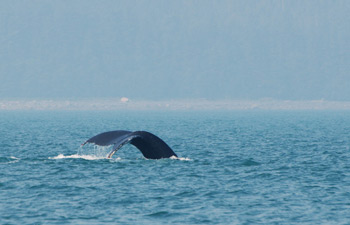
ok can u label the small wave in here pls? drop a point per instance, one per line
(8, 160)
(250, 162)
(159, 214)
(76, 156)
(15, 159)
(180, 158)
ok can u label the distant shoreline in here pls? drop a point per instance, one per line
(171, 105)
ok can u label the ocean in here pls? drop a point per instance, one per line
(233, 167)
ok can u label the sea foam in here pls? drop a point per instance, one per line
(76, 156)
(180, 158)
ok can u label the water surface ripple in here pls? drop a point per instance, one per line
(233, 168)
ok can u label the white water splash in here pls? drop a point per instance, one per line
(94, 150)
(94, 157)
(76, 156)
(90, 152)
(180, 158)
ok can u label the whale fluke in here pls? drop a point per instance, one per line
(151, 146)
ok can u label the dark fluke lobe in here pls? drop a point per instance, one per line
(151, 146)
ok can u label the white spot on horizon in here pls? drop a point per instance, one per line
(124, 99)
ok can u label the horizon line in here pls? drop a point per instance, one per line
(112, 104)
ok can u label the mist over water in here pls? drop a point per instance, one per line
(237, 167)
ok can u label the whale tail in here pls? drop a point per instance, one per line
(151, 146)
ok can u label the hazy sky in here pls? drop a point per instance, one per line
(296, 50)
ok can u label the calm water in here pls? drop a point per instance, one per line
(234, 168)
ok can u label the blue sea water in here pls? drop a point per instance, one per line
(244, 167)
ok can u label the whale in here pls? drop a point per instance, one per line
(151, 146)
